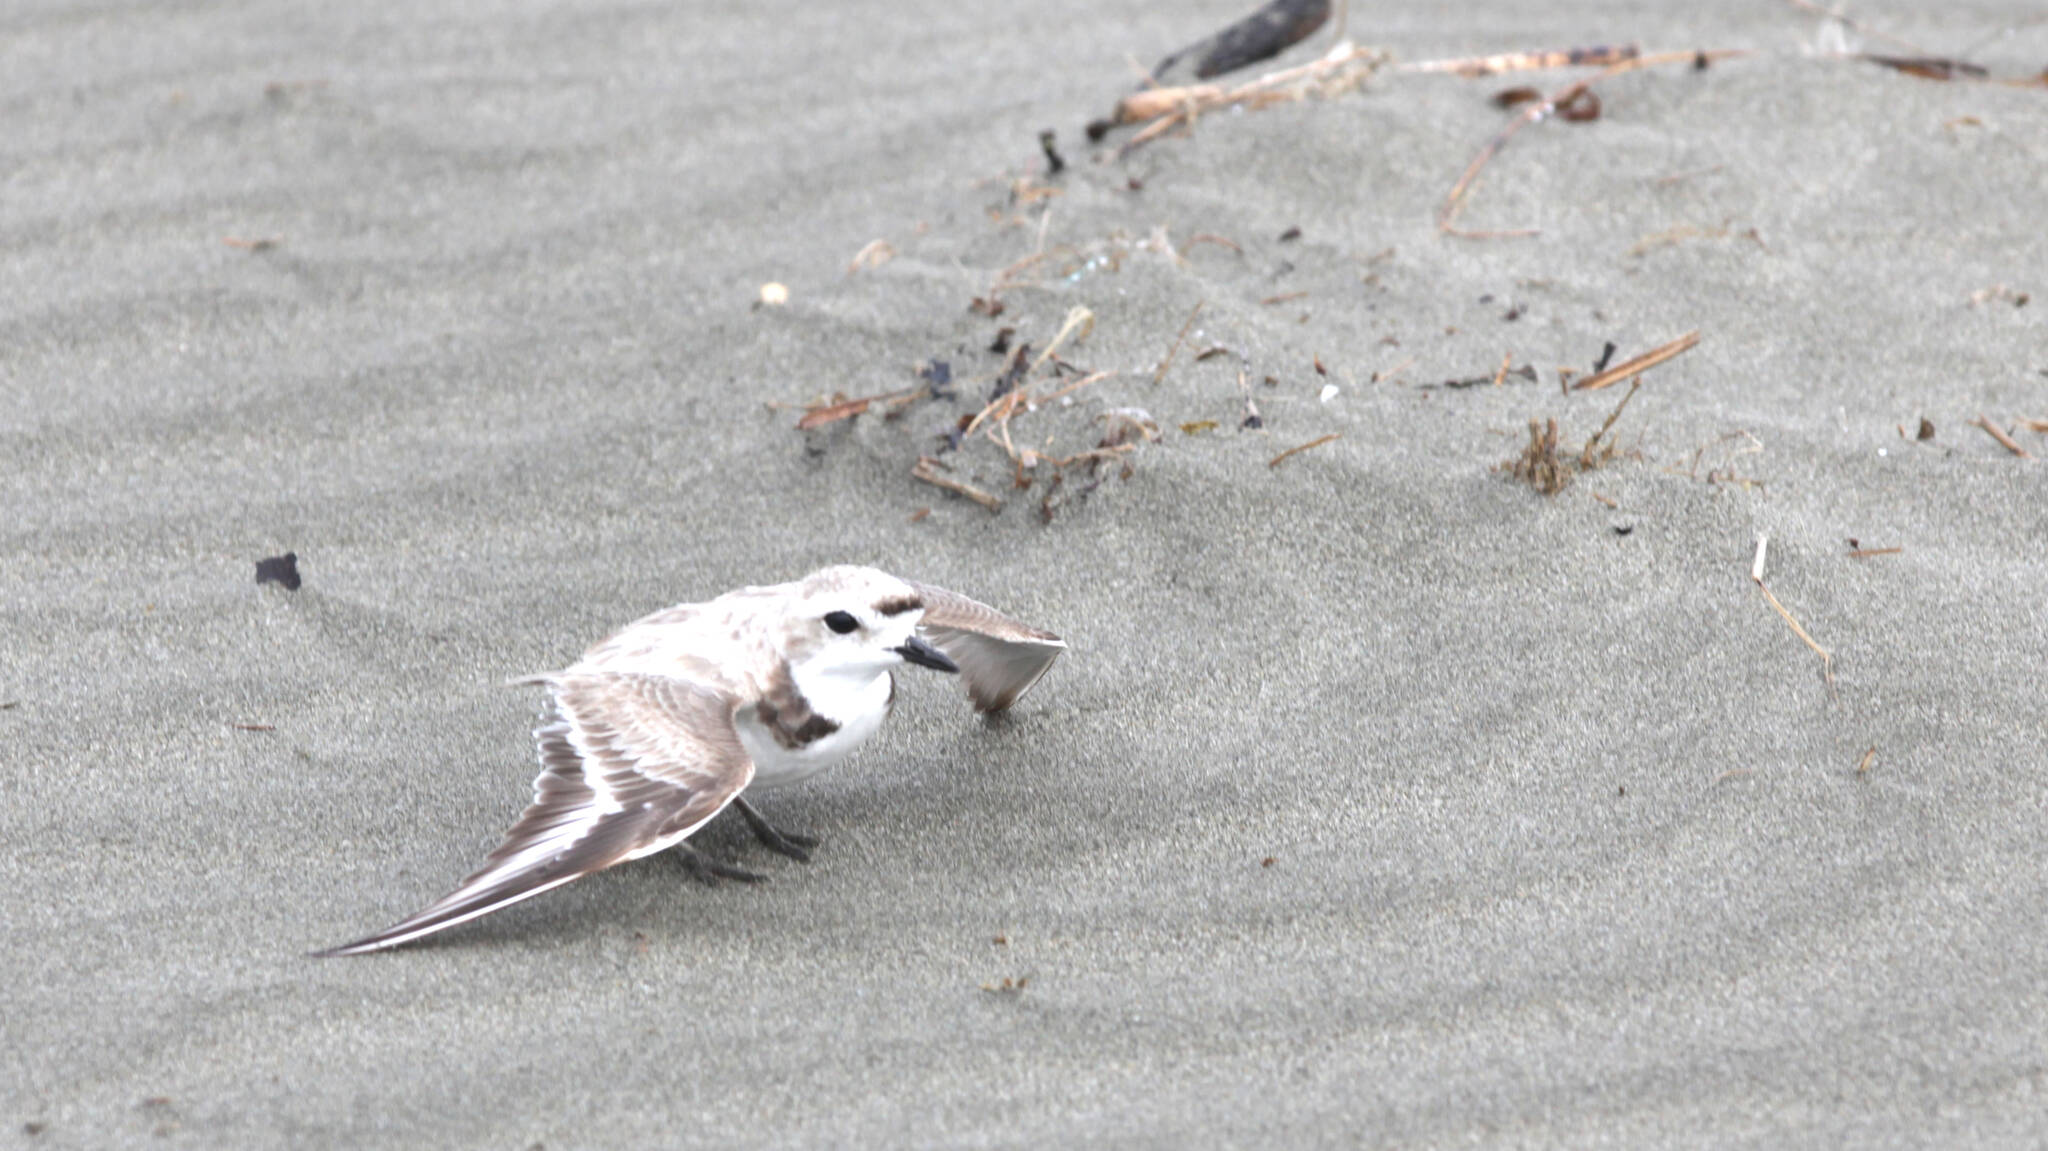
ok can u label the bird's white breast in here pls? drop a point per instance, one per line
(857, 708)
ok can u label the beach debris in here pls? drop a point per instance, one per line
(258, 244)
(1543, 467)
(1290, 234)
(2001, 294)
(1079, 320)
(1580, 107)
(1014, 370)
(873, 255)
(34, 1127)
(1197, 427)
(1001, 344)
(10, 705)
(1859, 552)
(933, 471)
(1863, 766)
(1568, 103)
(920, 515)
(1606, 355)
(936, 374)
(986, 306)
(1929, 67)
(1268, 861)
(1329, 392)
(938, 378)
(1297, 449)
(1048, 142)
(1177, 340)
(1262, 35)
(1125, 428)
(253, 726)
(1210, 238)
(1624, 529)
(1515, 97)
(1926, 431)
(1252, 420)
(282, 569)
(1283, 297)
(2004, 440)
(1479, 67)
(1756, 576)
(1495, 378)
(1539, 465)
(1638, 364)
(1343, 68)
(774, 294)
(1008, 986)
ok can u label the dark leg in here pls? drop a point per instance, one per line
(709, 871)
(787, 842)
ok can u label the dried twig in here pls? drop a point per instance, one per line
(1319, 441)
(2006, 441)
(928, 470)
(1642, 363)
(1170, 352)
(1756, 575)
(847, 409)
(1475, 67)
(1587, 460)
(1867, 757)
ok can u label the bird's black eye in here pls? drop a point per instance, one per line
(841, 621)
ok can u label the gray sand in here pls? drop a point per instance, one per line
(1569, 843)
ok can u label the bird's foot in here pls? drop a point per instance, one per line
(785, 842)
(709, 871)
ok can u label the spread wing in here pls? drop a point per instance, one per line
(630, 764)
(999, 658)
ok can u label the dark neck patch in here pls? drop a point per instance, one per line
(785, 712)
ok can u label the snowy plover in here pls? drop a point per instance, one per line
(660, 727)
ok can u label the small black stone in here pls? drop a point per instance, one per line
(282, 569)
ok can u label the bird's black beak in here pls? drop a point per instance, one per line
(925, 655)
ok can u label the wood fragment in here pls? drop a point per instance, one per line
(1756, 575)
(918, 516)
(1475, 67)
(1869, 755)
(2004, 440)
(1642, 363)
(253, 726)
(1587, 459)
(1866, 553)
(1170, 352)
(1608, 500)
(1283, 298)
(832, 413)
(929, 470)
(1319, 441)
(258, 244)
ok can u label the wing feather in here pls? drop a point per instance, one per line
(629, 765)
(999, 657)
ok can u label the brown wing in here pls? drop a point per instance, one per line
(631, 764)
(999, 658)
